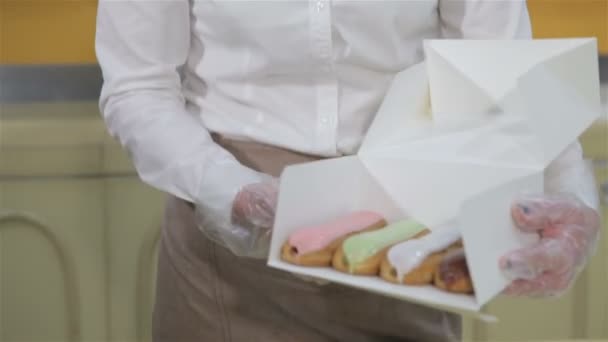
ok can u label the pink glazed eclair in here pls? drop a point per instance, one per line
(314, 246)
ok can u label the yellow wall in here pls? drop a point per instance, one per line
(62, 31)
(571, 18)
(47, 31)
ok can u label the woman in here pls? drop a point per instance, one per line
(212, 99)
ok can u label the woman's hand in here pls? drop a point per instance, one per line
(239, 217)
(254, 206)
(569, 231)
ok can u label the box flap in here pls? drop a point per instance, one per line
(488, 232)
(535, 91)
(400, 120)
(495, 65)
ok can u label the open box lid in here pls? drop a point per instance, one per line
(458, 137)
(452, 144)
(472, 82)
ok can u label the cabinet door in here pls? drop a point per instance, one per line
(541, 319)
(134, 213)
(52, 265)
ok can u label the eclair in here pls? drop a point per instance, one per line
(424, 274)
(362, 253)
(414, 262)
(452, 273)
(314, 246)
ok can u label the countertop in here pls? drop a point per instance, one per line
(58, 139)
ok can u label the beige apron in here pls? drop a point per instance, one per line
(205, 293)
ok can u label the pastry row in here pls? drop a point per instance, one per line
(363, 243)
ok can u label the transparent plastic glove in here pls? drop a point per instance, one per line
(568, 222)
(247, 227)
(235, 208)
(569, 231)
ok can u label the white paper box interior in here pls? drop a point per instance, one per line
(456, 139)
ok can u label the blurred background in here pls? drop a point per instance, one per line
(79, 231)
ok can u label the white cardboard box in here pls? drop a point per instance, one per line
(456, 139)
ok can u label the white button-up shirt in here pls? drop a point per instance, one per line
(303, 75)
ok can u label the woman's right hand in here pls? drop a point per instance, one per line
(254, 206)
(247, 227)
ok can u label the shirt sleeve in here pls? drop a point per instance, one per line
(140, 46)
(571, 174)
(484, 19)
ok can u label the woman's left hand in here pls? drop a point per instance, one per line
(568, 231)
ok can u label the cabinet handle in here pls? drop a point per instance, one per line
(602, 164)
(604, 192)
(66, 262)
